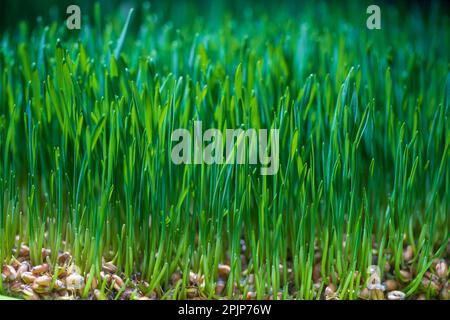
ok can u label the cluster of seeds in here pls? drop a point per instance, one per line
(60, 281)
(63, 281)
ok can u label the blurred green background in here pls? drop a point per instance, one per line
(51, 10)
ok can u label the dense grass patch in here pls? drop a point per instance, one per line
(85, 151)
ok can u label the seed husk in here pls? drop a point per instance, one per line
(59, 285)
(105, 277)
(17, 287)
(251, 295)
(45, 253)
(24, 251)
(192, 292)
(317, 272)
(126, 295)
(74, 282)
(387, 266)
(94, 283)
(192, 278)
(251, 278)
(224, 270)
(40, 289)
(444, 294)
(408, 253)
(97, 294)
(376, 294)
(396, 295)
(330, 291)
(175, 277)
(374, 278)
(220, 285)
(43, 281)
(9, 274)
(28, 277)
(201, 281)
(391, 285)
(40, 269)
(365, 294)
(442, 269)
(430, 283)
(118, 282)
(374, 282)
(29, 294)
(109, 267)
(24, 267)
(64, 257)
(406, 275)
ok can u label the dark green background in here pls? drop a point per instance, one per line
(14, 11)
